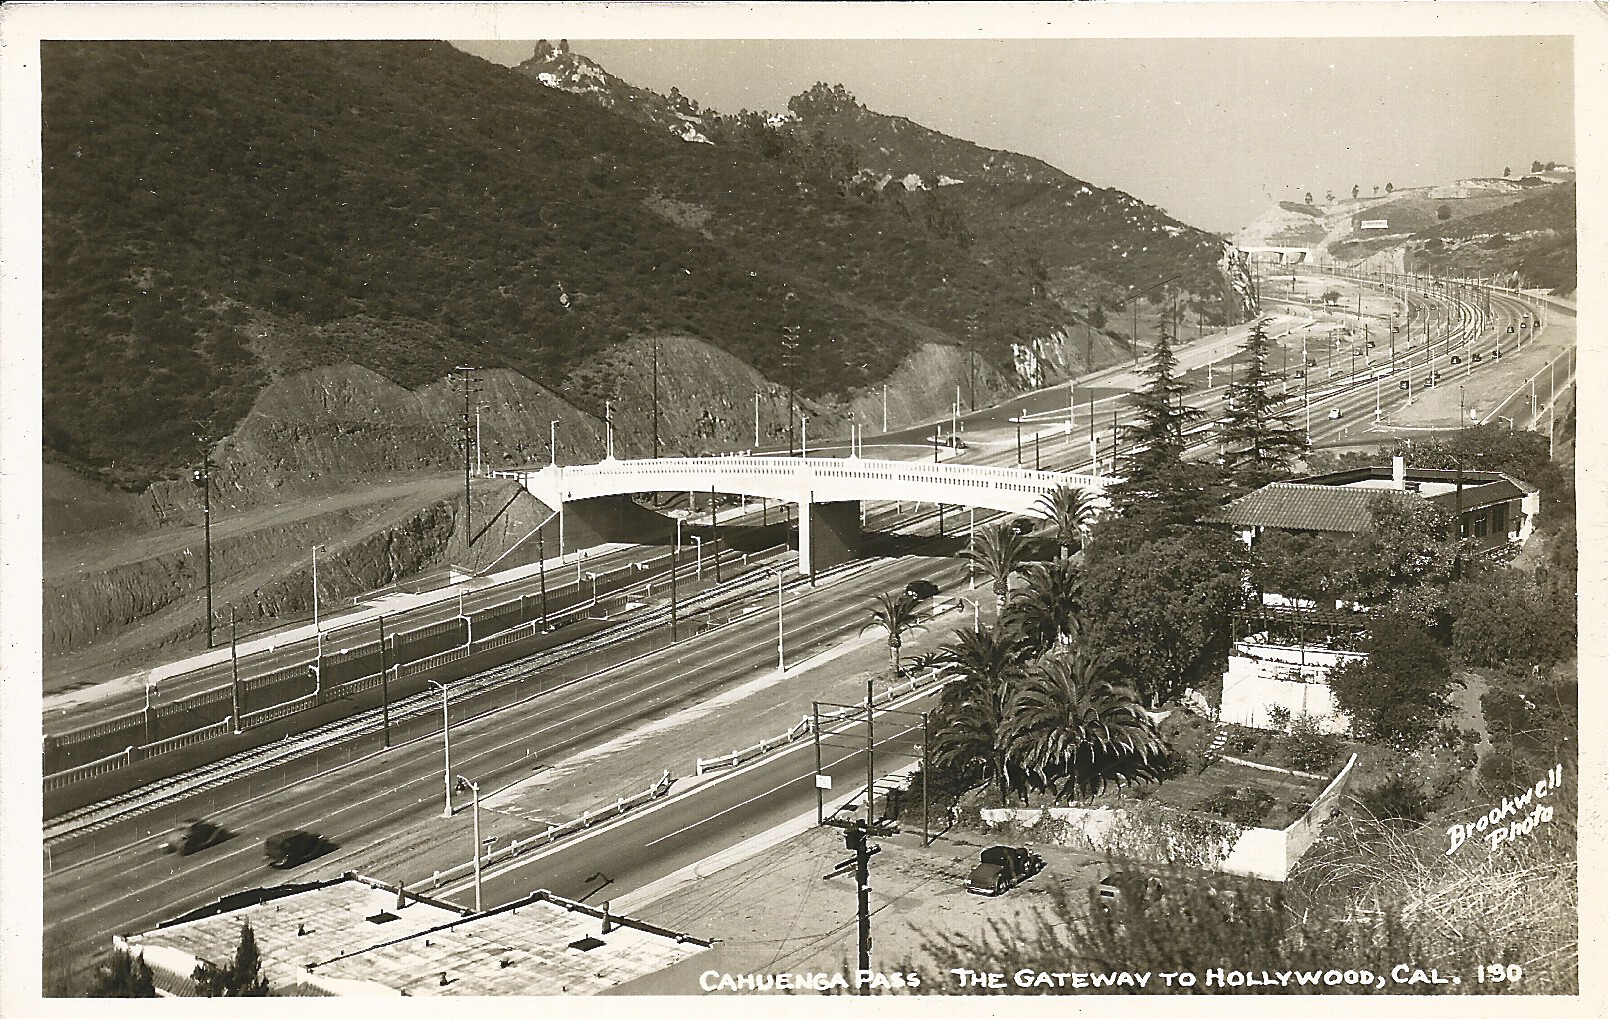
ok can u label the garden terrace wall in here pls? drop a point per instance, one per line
(1268, 853)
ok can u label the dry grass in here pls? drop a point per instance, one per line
(1516, 905)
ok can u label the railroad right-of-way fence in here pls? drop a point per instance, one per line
(409, 656)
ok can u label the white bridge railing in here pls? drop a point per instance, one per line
(802, 479)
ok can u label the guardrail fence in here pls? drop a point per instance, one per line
(110, 745)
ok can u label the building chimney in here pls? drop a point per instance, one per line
(1399, 473)
(607, 924)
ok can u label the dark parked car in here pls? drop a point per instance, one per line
(1023, 525)
(920, 589)
(1126, 889)
(192, 836)
(1003, 867)
(289, 848)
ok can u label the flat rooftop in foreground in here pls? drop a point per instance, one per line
(349, 936)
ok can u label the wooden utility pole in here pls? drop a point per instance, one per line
(385, 688)
(715, 535)
(468, 382)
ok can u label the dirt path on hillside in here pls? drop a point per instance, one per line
(381, 505)
(105, 549)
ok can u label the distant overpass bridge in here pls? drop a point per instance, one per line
(827, 491)
(1281, 256)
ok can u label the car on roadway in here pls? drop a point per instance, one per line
(921, 588)
(1001, 868)
(1335, 413)
(1023, 526)
(289, 848)
(193, 835)
(1474, 359)
(1457, 359)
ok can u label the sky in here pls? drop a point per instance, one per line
(1212, 130)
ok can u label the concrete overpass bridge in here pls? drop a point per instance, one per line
(1264, 254)
(827, 491)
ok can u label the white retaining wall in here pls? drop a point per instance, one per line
(1268, 853)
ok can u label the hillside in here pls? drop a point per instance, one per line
(1533, 242)
(219, 215)
(1086, 245)
(1518, 228)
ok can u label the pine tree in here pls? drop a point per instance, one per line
(125, 975)
(1260, 442)
(242, 978)
(1159, 486)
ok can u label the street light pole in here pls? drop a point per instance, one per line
(474, 788)
(317, 632)
(149, 717)
(203, 477)
(715, 536)
(234, 672)
(553, 443)
(446, 752)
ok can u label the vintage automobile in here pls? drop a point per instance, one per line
(920, 588)
(289, 848)
(1003, 867)
(193, 835)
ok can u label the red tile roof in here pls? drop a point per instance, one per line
(1300, 507)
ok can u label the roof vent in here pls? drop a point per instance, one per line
(587, 944)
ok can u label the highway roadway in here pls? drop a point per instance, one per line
(384, 811)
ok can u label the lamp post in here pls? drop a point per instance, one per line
(203, 478)
(318, 632)
(474, 788)
(782, 667)
(542, 574)
(446, 752)
(715, 536)
(149, 717)
(234, 671)
(553, 443)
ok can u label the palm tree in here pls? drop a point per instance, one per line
(979, 662)
(1045, 612)
(1075, 726)
(985, 666)
(1071, 510)
(896, 614)
(998, 552)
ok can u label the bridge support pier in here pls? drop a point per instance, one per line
(829, 534)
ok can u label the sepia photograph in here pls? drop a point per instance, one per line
(888, 501)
